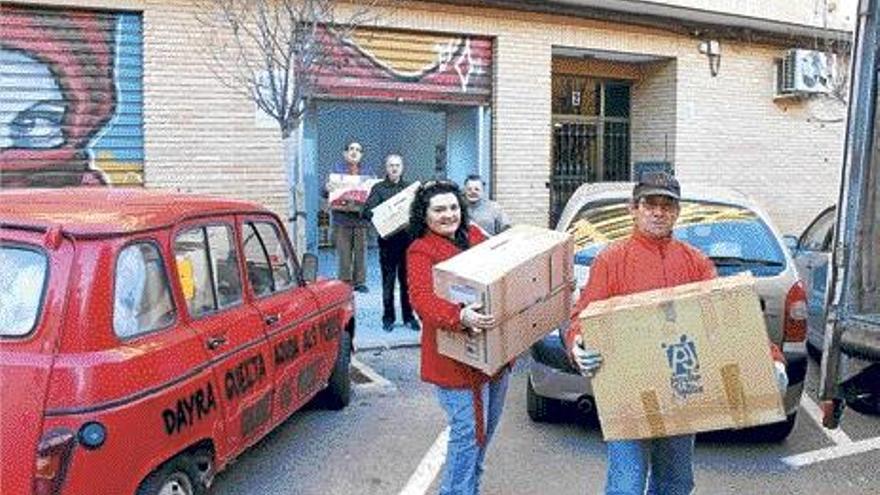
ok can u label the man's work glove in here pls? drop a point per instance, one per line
(471, 318)
(588, 360)
(781, 376)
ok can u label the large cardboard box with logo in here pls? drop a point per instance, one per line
(522, 277)
(682, 360)
(392, 215)
(349, 192)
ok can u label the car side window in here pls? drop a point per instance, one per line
(817, 236)
(142, 297)
(269, 265)
(829, 238)
(208, 269)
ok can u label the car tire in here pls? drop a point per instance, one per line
(179, 476)
(862, 392)
(541, 409)
(337, 395)
(865, 404)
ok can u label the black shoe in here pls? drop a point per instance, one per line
(361, 288)
(414, 325)
(387, 326)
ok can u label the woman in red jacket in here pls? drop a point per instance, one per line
(472, 400)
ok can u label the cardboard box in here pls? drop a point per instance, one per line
(490, 350)
(392, 215)
(349, 192)
(522, 277)
(682, 360)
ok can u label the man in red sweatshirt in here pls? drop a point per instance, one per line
(649, 259)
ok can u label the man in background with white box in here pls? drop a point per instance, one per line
(392, 248)
(349, 226)
(649, 259)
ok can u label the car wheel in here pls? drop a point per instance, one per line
(865, 403)
(179, 476)
(862, 392)
(541, 409)
(337, 395)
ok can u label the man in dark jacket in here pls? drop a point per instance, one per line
(392, 249)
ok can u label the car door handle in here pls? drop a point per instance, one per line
(215, 342)
(272, 319)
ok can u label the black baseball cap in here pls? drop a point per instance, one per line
(657, 184)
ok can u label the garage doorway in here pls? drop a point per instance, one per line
(435, 141)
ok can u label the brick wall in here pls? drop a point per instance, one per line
(732, 132)
(723, 130)
(201, 136)
(837, 14)
(653, 114)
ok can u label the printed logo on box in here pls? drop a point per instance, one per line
(685, 367)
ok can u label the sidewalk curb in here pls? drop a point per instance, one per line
(385, 346)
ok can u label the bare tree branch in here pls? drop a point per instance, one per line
(270, 50)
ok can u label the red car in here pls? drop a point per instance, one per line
(147, 339)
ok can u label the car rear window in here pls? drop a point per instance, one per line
(142, 297)
(734, 237)
(22, 279)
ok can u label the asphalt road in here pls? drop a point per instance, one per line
(382, 444)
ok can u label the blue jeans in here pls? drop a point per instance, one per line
(667, 464)
(464, 457)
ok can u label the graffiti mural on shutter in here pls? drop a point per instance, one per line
(402, 66)
(71, 98)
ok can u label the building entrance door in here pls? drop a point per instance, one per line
(575, 155)
(590, 141)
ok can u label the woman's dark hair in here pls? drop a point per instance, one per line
(418, 212)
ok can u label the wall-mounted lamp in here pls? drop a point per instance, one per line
(712, 50)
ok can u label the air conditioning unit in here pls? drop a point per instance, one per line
(806, 72)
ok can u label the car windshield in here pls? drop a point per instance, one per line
(734, 237)
(22, 277)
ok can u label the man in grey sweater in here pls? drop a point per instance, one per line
(482, 211)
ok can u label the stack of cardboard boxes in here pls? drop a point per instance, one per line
(523, 277)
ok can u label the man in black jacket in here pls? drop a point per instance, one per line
(392, 249)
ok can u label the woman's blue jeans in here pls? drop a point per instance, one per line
(666, 464)
(464, 457)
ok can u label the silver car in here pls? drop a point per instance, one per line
(734, 232)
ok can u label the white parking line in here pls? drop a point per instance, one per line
(837, 436)
(377, 380)
(431, 464)
(844, 445)
(836, 452)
